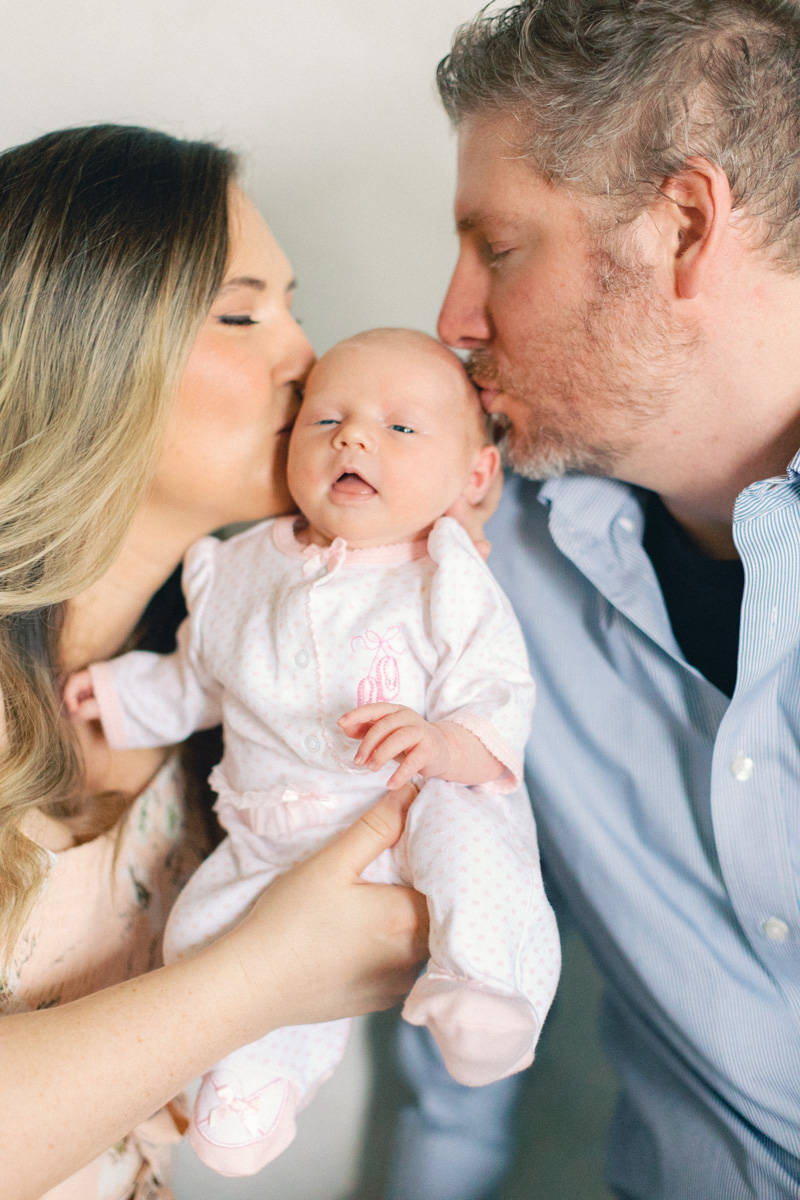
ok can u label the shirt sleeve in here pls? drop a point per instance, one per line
(158, 699)
(482, 681)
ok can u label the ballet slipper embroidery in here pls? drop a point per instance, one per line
(382, 682)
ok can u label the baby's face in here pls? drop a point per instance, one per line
(384, 441)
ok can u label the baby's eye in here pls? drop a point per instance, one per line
(236, 319)
(402, 428)
(327, 421)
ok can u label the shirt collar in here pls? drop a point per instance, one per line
(598, 524)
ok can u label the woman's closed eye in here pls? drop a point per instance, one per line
(236, 319)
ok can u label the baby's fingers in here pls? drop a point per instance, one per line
(79, 696)
(356, 722)
(395, 746)
(378, 733)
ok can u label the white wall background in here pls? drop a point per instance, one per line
(333, 107)
(331, 103)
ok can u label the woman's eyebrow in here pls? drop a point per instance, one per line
(243, 281)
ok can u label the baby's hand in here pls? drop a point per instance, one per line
(79, 698)
(394, 731)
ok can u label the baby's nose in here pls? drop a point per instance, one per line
(353, 433)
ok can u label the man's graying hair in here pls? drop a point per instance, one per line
(614, 96)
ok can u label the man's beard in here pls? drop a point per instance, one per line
(591, 381)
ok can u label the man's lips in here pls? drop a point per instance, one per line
(352, 485)
(488, 396)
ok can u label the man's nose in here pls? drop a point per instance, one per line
(464, 318)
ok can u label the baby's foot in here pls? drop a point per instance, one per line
(482, 1034)
(238, 1134)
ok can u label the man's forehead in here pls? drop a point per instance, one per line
(494, 173)
(498, 186)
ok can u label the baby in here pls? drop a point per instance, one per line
(374, 605)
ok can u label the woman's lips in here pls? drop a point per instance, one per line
(352, 486)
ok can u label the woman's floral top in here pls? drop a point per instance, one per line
(99, 921)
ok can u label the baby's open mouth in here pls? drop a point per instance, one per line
(350, 484)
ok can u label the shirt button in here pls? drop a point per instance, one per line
(312, 744)
(627, 524)
(302, 658)
(742, 768)
(775, 929)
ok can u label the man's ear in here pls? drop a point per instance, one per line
(485, 466)
(693, 222)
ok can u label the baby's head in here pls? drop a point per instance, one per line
(390, 435)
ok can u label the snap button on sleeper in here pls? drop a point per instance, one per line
(775, 929)
(742, 768)
(302, 658)
(312, 744)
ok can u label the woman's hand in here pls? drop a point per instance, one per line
(318, 944)
(321, 943)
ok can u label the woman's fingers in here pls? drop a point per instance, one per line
(329, 943)
(375, 831)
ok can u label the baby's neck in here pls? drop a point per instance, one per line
(307, 535)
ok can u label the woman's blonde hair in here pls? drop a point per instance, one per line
(113, 243)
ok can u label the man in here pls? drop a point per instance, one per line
(628, 286)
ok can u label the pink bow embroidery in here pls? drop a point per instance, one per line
(330, 556)
(231, 1104)
(382, 681)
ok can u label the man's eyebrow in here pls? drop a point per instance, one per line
(481, 220)
(468, 223)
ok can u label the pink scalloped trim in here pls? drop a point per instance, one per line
(497, 746)
(111, 715)
(283, 536)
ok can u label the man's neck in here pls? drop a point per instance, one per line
(713, 538)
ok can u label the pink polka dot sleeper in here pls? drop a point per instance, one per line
(281, 639)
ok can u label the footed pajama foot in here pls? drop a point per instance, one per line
(236, 1133)
(482, 1034)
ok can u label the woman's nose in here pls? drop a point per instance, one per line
(297, 355)
(464, 320)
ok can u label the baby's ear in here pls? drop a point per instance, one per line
(485, 466)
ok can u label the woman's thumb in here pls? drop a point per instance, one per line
(375, 830)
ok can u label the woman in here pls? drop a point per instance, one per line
(149, 365)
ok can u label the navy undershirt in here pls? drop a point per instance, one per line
(703, 596)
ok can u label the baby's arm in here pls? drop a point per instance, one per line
(432, 749)
(145, 699)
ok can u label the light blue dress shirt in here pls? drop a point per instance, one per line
(670, 818)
